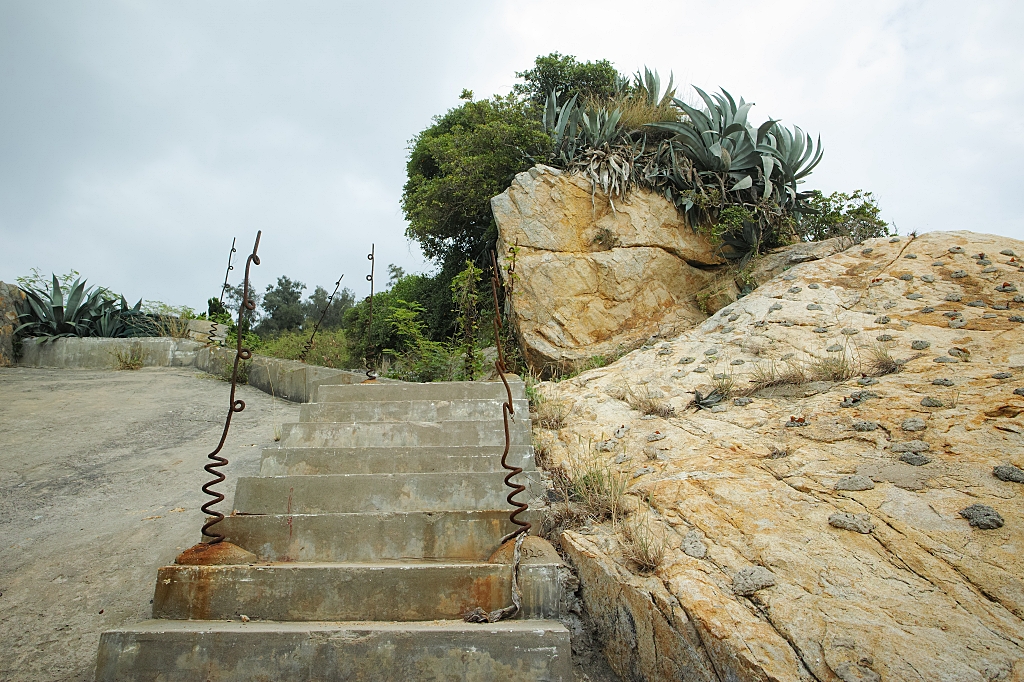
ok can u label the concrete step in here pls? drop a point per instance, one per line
(402, 434)
(411, 410)
(187, 651)
(395, 591)
(348, 493)
(442, 390)
(466, 535)
(395, 460)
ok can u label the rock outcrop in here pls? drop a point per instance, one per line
(10, 296)
(846, 505)
(593, 280)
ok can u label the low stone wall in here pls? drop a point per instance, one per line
(94, 353)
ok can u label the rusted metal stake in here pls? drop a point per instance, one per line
(231, 255)
(309, 344)
(507, 411)
(370, 374)
(234, 406)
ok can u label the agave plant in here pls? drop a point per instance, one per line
(48, 314)
(85, 312)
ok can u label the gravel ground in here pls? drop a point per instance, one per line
(99, 486)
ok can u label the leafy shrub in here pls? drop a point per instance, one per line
(853, 216)
(330, 347)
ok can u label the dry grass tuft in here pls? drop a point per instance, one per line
(590, 488)
(881, 362)
(173, 326)
(132, 357)
(642, 544)
(640, 398)
(771, 374)
(833, 367)
(552, 414)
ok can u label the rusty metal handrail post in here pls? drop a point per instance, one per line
(241, 354)
(370, 374)
(507, 411)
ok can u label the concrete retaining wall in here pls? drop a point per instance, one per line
(288, 379)
(90, 353)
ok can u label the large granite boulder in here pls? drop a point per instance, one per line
(596, 280)
(10, 296)
(853, 510)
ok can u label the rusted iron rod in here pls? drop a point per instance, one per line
(507, 411)
(241, 354)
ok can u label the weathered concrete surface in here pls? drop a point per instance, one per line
(10, 296)
(396, 460)
(406, 410)
(96, 353)
(394, 591)
(400, 434)
(183, 651)
(99, 486)
(923, 595)
(341, 493)
(468, 535)
(593, 280)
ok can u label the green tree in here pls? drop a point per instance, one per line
(569, 77)
(466, 296)
(856, 216)
(282, 306)
(314, 306)
(455, 166)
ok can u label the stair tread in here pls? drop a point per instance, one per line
(165, 625)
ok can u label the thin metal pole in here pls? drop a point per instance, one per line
(369, 325)
(227, 272)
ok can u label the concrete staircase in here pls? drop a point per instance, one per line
(374, 526)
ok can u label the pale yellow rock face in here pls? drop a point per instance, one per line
(922, 595)
(593, 280)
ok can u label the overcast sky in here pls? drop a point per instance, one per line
(138, 138)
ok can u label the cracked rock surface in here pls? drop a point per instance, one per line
(915, 592)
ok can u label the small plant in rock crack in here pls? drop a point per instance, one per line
(641, 543)
(642, 399)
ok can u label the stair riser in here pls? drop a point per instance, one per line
(409, 410)
(305, 592)
(379, 493)
(407, 434)
(454, 390)
(370, 537)
(457, 460)
(483, 653)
